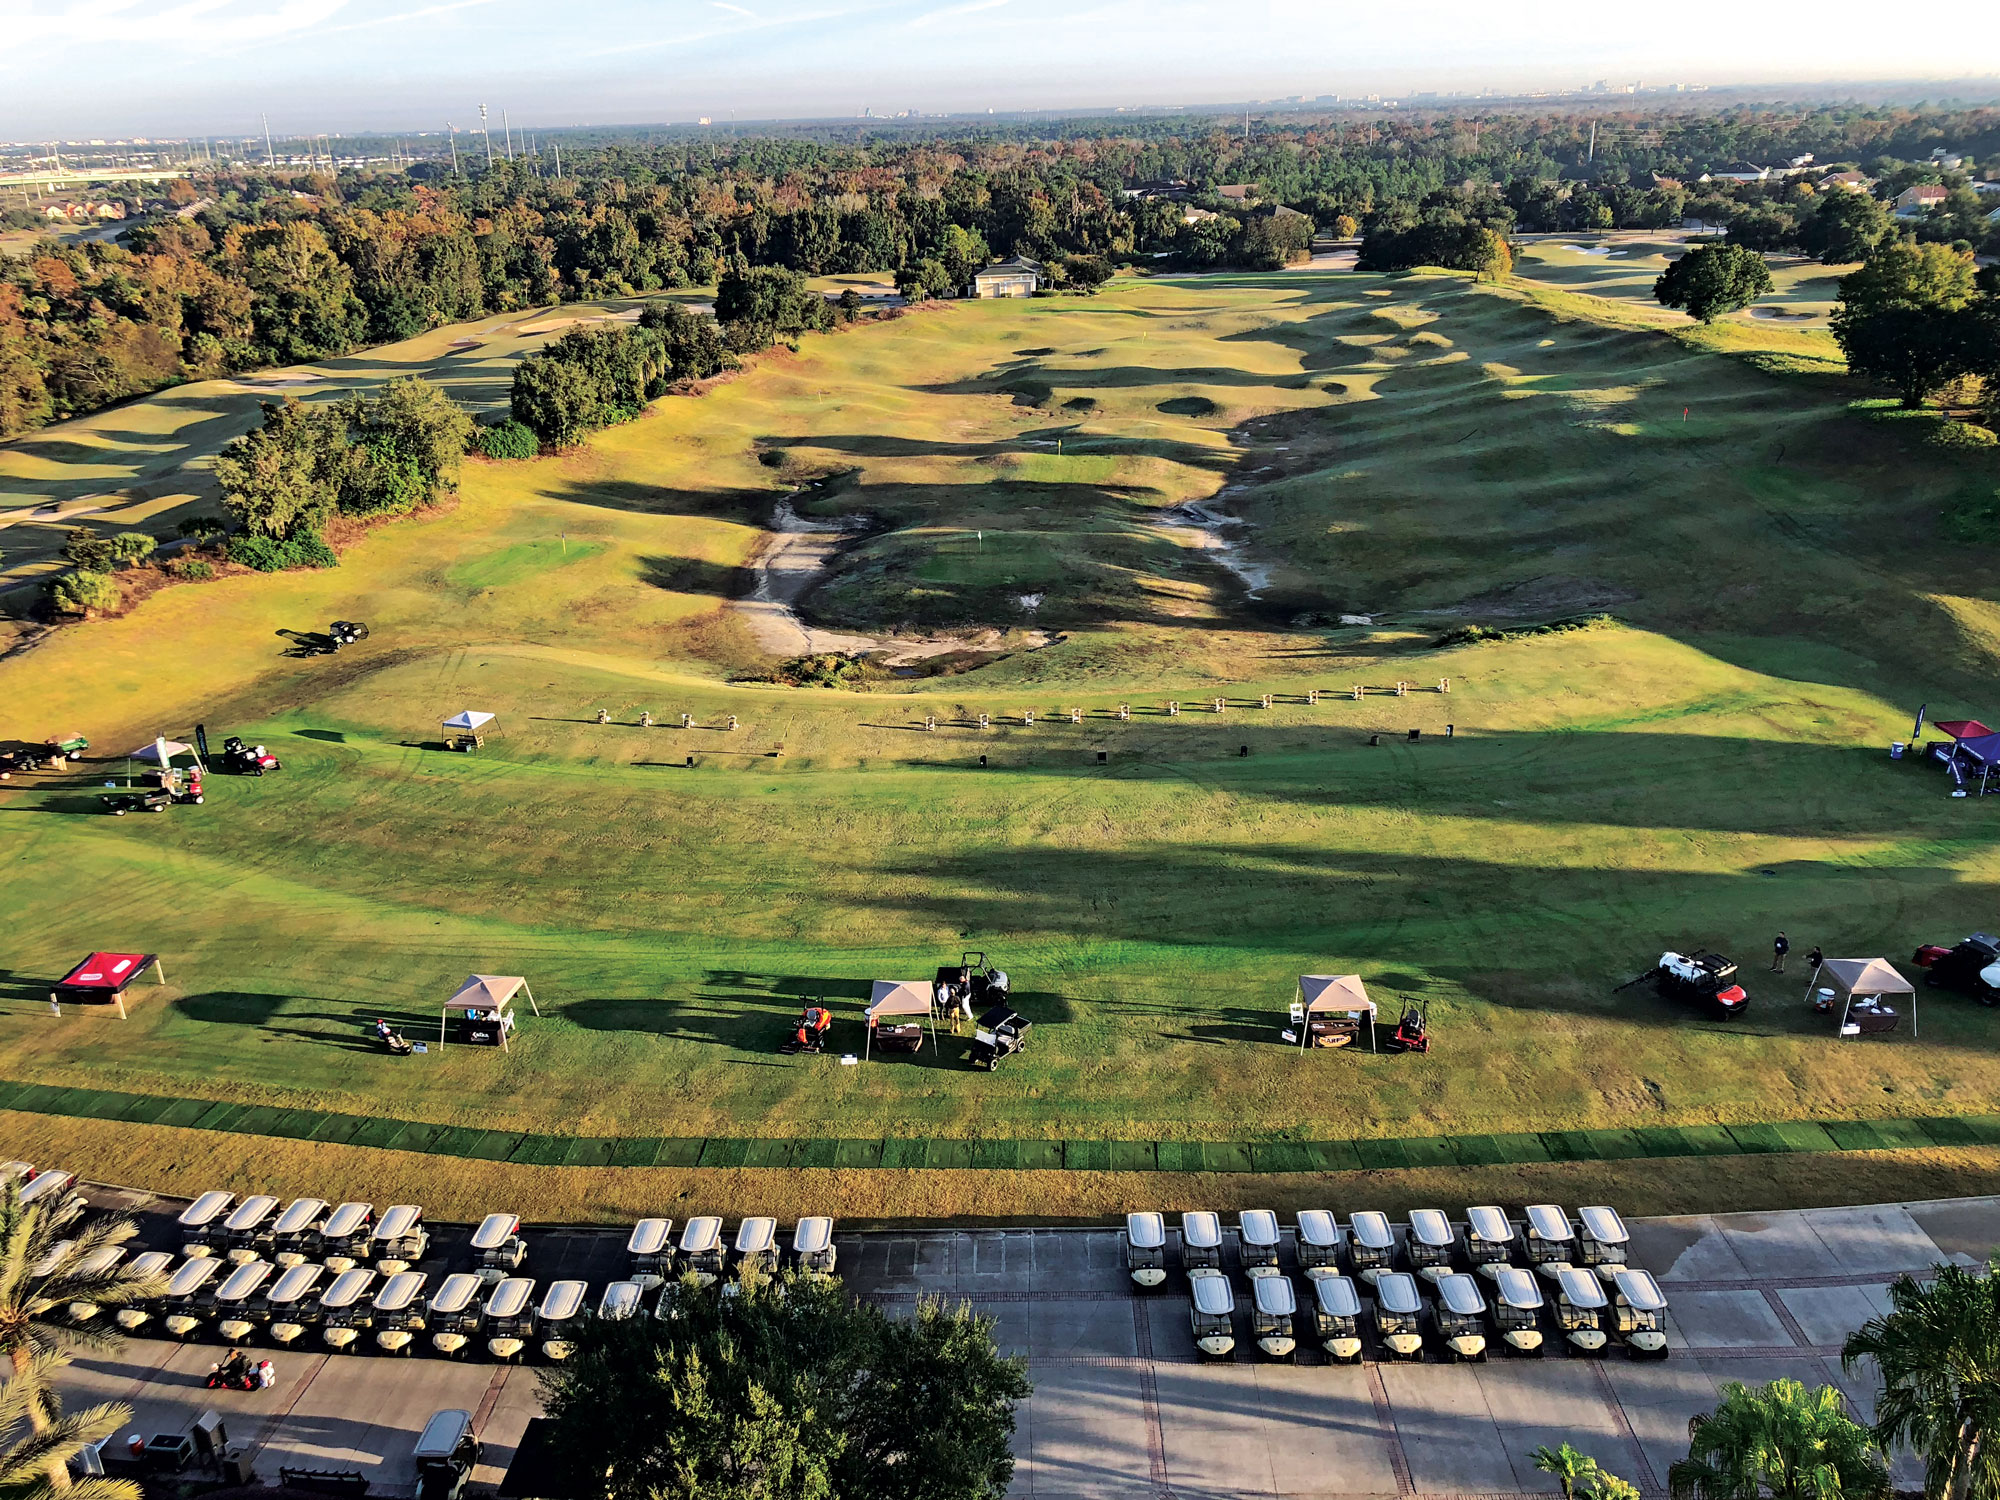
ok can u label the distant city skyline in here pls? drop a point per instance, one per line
(109, 68)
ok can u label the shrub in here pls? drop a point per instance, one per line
(130, 547)
(507, 440)
(188, 569)
(274, 555)
(87, 551)
(85, 593)
(1949, 434)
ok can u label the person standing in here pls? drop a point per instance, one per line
(1780, 946)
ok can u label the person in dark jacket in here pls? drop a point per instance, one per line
(1780, 946)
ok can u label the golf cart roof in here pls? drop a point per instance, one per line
(244, 1280)
(1274, 1296)
(299, 1215)
(1580, 1288)
(250, 1213)
(349, 1218)
(1145, 1231)
(192, 1275)
(1201, 1230)
(1337, 1297)
(620, 1299)
(813, 1236)
(148, 1263)
(348, 1288)
(563, 1299)
(1397, 1292)
(1639, 1290)
(297, 1282)
(1489, 1224)
(205, 1210)
(442, 1434)
(467, 718)
(1549, 1222)
(106, 973)
(1319, 1228)
(701, 1233)
(100, 1262)
(899, 997)
(54, 1256)
(1371, 1230)
(755, 1236)
(16, 1171)
(1429, 1226)
(1517, 1288)
(495, 1230)
(398, 1221)
(1257, 1226)
(996, 1016)
(510, 1299)
(1344, 992)
(1603, 1224)
(1460, 1294)
(1213, 1294)
(651, 1236)
(50, 1182)
(399, 1291)
(455, 1293)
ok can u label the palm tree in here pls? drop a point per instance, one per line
(1569, 1467)
(32, 1455)
(1938, 1353)
(1782, 1441)
(43, 1270)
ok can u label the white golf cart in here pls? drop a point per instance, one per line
(400, 1239)
(245, 1233)
(1212, 1312)
(1430, 1242)
(102, 1262)
(1319, 1241)
(621, 1300)
(47, 1188)
(1371, 1245)
(238, 1299)
(1146, 1249)
(1398, 1310)
(1639, 1313)
(445, 1455)
(1604, 1243)
(510, 1317)
(344, 1237)
(813, 1249)
(345, 1310)
(1460, 1314)
(1489, 1239)
(1274, 1311)
(497, 1247)
(1337, 1317)
(701, 1248)
(399, 1312)
(756, 1246)
(190, 1295)
(1517, 1309)
(295, 1233)
(1580, 1307)
(563, 1309)
(1257, 1242)
(200, 1224)
(148, 1264)
(455, 1312)
(650, 1251)
(1548, 1240)
(293, 1302)
(1201, 1241)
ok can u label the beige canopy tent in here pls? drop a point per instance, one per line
(1335, 997)
(482, 1000)
(1866, 981)
(898, 997)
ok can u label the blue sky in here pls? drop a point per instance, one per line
(115, 67)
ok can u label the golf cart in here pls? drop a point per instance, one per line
(1605, 1241)
(1398, 1306)
(102, 1261)
(454, 1312)
(1212, 1313)
(621, 1300)
(239, 1298)
(1639, 1313)
(345, 1312)
(146, 1265)
(1580, 1303)
(1430, 1242)
(1337, 1318)
(497, 1247)
(445, 1455)
(1274, 1311)
(400, 1239)
(971, 988)
(200, 1224)
(1517, 1307)
(151, 799)
(190, 1296)
(49, 1187)
(1489, 1239)
(344, 1237)
(813, 1249)
(1332, 1010)
(239, 759)
(346, 633)
(1371, 1245)
(1460, 1314)
(757, 1245)
(1704, 978)
(1001, 1032)
(293, 1303)
(398, 1312)
(244, 1231)
(510, 1317)
(1146, 1249)
(1257, 1242)
(1548, 1240)
(559, 1316)
(650, 1251)
(898, 1011)
(701, 1248)
(1319, 1242)
(1201, 1241)
(297, 1230)
(1972, 965)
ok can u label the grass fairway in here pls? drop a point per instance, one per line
(1416, 450)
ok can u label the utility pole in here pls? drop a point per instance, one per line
(483, 130)
(270, 156)
(454, 146)
(1593, 141)
(507, 134)
(558, 158)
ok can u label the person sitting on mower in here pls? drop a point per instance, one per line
(384, 1032)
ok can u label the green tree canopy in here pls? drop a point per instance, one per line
(1903, 273)
(1846, 227)
(1711, 280)
(1781, 1441)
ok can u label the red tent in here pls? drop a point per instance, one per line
(104, 976)
(1961, 729)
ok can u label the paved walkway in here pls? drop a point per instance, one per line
(532, 1149)
(1122, 1405)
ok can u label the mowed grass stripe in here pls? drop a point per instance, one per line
(1784, 1137)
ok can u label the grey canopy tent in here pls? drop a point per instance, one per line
(1864, 982)
(482, 1000)
(1342, 1004)
(892, 998)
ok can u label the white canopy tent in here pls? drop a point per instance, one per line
(160, 752)
(1332, 995)
(485, 997)
(469, 719)
(898, 997)
(1864, 980)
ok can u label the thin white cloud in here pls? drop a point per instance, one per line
(193, 24)
(738, 10)
(951, 12)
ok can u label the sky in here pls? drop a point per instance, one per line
(106, 68)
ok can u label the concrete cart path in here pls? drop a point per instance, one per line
(1122, 1404)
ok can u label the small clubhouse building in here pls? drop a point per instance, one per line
(1016, 276)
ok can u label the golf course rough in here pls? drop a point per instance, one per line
(1706, 768)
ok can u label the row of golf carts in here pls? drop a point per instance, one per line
(1485, 1276)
